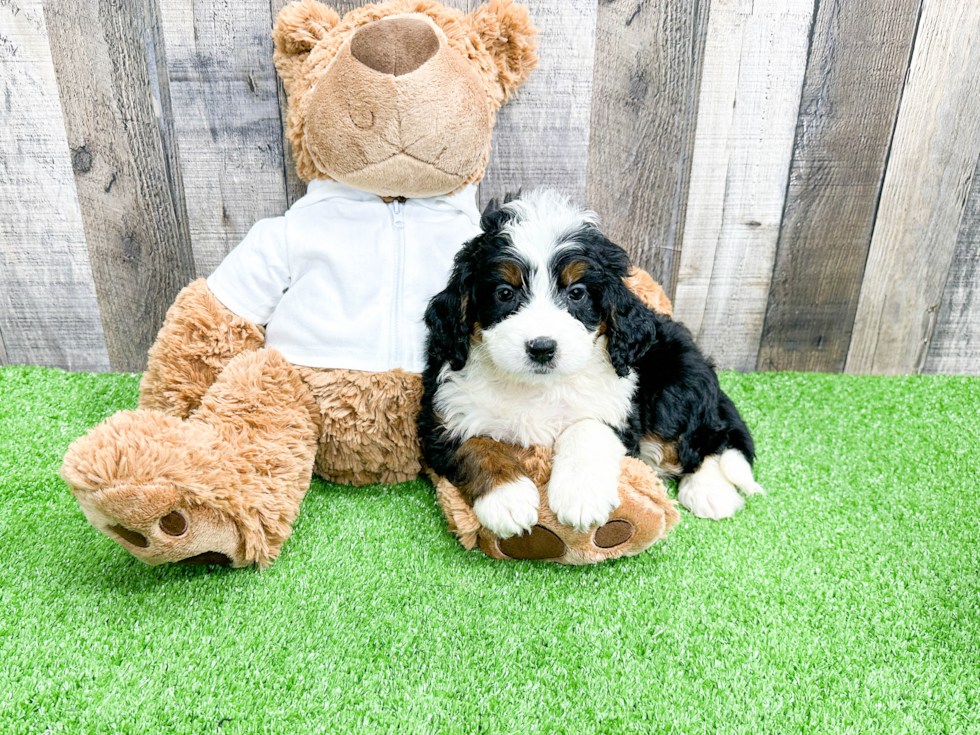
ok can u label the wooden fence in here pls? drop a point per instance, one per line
(799, 174)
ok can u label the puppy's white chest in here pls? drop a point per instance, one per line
(482, 401)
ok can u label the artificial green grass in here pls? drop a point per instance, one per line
(846, 600)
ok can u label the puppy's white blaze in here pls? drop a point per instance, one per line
(543, 225)
(708, 493)
(510, 509)
(738, 471)
(543, 221)
(583, 489)
(484, 400)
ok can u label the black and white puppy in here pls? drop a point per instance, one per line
(537, 340)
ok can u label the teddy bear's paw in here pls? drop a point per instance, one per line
(141, 478)
(510, 509)
(152, 523)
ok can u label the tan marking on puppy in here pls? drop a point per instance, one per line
(660, 455)
(573, 272)
(511, 273)
(477, 332)
(485, 464)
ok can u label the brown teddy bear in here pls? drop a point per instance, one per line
(302, 351)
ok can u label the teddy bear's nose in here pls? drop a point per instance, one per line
(395, 46)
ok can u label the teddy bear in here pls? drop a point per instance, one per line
(302, 351)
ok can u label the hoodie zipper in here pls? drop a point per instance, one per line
(397, 210)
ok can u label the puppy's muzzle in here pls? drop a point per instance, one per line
(541, 350)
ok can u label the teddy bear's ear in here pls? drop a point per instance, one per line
(299, 27)
(508, 34)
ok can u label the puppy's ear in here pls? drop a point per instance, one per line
(631, 328)
(299, 27)
(508, 34)
(447, 319)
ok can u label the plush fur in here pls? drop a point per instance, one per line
(538, 340)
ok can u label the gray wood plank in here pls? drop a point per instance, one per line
(131, 201)
(859, 55)
(934, 153)
(295, 186)
(542, 135)
(955, 346)
(49, 314)
(644, 107)
(755, 58)
(224, 93)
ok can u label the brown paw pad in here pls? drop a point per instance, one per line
(208, 558)
(613, 534)
(539, 544)
(131, 536)
(173, 524)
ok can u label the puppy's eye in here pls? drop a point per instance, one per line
(577, 292)
(504, 294)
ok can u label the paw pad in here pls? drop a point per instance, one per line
(613, 533)
(208, 558)
(539, 544)
(173, 524)
(127, 534)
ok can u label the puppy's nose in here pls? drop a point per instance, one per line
(394, 46)
(541, 349)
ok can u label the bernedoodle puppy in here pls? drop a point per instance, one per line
(537, 340)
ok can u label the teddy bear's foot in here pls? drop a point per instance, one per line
(645, 515)
(222, 487)
(155, 522)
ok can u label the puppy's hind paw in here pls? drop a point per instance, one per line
(715, 502)
(510, 509)
(708, 493)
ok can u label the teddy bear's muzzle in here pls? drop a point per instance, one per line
(394, 46)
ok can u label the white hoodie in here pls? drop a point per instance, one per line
(342, 279)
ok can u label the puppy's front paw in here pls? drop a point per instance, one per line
(581, 498)
(510, 509)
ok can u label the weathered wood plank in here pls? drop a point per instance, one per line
(934, 153)
(955, 346)
(755, 58)
(295, 186)
(49, 314)
(224, 93)
(131, 202)
(542, 135)
(859, 55)
(644, 106)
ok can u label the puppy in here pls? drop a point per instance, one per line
(537, 340)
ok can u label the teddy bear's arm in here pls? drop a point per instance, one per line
(211, 322)
(649, 291)
(199, 337)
